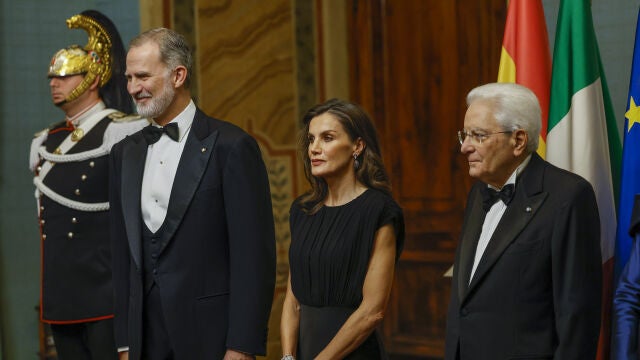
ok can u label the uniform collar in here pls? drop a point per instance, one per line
(83, 115)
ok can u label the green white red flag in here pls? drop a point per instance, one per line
(582, 131)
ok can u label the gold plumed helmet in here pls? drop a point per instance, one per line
(93, 60)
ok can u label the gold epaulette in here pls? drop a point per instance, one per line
(119, 116)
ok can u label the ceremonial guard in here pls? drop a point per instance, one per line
(70, 163)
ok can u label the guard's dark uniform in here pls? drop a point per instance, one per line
(73, 197)
(70, 163)
(74, 224)
(76, 261)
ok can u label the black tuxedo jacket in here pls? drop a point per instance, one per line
(536, 292)
(216, 267)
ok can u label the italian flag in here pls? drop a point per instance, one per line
(582, 132)
(525, 57)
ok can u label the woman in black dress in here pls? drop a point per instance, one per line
(346, 236)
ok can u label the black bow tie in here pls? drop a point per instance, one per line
(490, 196)
(153, 133)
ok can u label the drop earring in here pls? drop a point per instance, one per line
(356, 162)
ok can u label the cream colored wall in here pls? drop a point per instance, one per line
(334, 52)
(151, 14)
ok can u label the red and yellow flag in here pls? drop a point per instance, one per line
(525, 57)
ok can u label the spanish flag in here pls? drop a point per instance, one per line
(525, 57)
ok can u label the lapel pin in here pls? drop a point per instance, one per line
(528, 209)
(203, 149)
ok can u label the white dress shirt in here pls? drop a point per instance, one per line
(493, 218)
(160, 170)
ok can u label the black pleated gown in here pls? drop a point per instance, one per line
(328, 259)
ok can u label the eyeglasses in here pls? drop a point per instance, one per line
(477, 138)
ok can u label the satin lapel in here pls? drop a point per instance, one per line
(526, 203)
(469, 242)
(192, 166)
(133, 159)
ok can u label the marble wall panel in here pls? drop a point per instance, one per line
(246, 64)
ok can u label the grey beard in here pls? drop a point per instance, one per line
(157, 105)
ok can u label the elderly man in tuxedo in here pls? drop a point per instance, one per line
(192, 226)
(527, 273)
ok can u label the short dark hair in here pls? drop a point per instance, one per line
(174, 49)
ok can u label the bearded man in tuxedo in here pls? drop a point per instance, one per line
(192, 225)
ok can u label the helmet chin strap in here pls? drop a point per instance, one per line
(82, 87)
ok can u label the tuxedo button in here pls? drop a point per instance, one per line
(154, 256)
(155, 271)
(464, 312)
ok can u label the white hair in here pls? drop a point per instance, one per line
(515, 107)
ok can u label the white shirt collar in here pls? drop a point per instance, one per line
(514, 175)
(184, 120)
